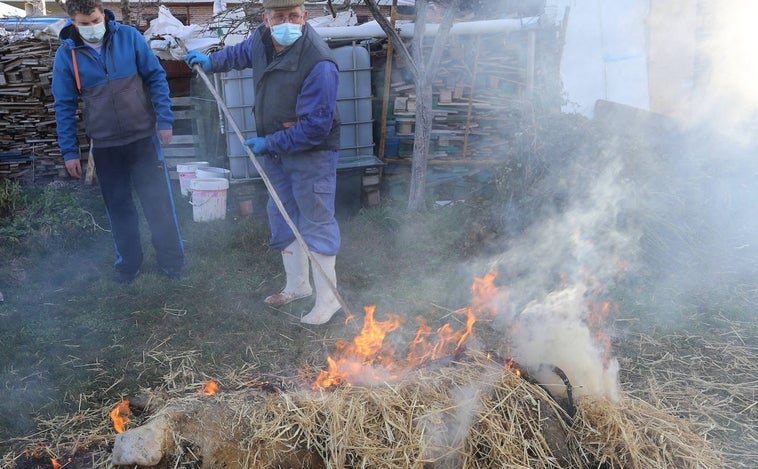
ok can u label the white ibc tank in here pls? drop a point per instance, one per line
(353, 102)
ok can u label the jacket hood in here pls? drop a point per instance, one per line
(69, 35)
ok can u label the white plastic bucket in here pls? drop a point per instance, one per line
(211, 172)
(186, 172)
(208, 198)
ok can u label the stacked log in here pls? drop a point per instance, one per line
(28, 138)
(479, 86)
(487, 89)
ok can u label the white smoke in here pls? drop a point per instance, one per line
(725, 95)
(554, 332)
(445, 430)
(554, 272)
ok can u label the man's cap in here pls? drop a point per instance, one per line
(272, 4)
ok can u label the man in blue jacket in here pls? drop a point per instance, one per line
(127, 115)
(297, 127)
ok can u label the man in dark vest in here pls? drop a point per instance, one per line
(297, 127)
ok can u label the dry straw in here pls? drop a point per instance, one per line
(633, 434)
(471, 414)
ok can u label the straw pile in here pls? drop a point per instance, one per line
(473, 414)
(634, 434)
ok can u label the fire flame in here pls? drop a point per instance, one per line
(511, 366)
(55, 463)
(358, 356)
(599, 313)
(120, 415)
(209, 388)
(368, 359)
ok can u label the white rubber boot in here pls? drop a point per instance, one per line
(326, 302)
(298, 285)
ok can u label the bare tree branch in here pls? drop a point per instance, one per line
(422, 134)
(126, 16)
(440, 41)
(392, 35)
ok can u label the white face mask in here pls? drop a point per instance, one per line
(287, 33)
(92, 33)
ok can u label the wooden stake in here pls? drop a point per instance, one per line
(387, 82)
(89, 175)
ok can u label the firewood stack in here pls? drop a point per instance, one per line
(28, 139)
(477, 89)
(487, 90)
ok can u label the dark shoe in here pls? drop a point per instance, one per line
(125, 277)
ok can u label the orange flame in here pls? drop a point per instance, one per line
(209, 388)
(55, 463)
(597, 318)
(120, 415)
(511, 366)
(487, 297)
(366, 349)
(368, 359)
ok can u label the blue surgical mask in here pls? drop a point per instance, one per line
(92, 33)
(286, 33)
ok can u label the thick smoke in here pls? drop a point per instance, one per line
(554, 332)
(711, 170)
(556, 272)
(674, 203)
(725, 97)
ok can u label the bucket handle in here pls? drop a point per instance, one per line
(192, 202)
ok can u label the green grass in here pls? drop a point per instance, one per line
(67, 330)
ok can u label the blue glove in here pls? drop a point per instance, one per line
(257, 144)
(194, 57)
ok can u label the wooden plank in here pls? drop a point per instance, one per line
(175, 152)
(186, 114)
(89, 175)
(182, 101)
(187, 139)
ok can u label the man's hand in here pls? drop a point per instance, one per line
(194, 57)
(257, 144)
(74, 168)
(165, 136)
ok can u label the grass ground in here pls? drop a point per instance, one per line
(72, 341)
(68, 330)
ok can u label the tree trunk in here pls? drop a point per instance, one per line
(423, 130)
(424, 115)
(125, 13)
(422, 76)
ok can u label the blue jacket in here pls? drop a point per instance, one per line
(124, 89)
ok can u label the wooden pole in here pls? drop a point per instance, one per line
(467, 131)
(531, 57)
(89, 175)
(387, 83)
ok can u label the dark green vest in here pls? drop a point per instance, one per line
(277, 84)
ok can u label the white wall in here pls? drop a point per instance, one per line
(8, 11)
(605, 53)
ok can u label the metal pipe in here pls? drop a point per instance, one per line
(406, 30)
